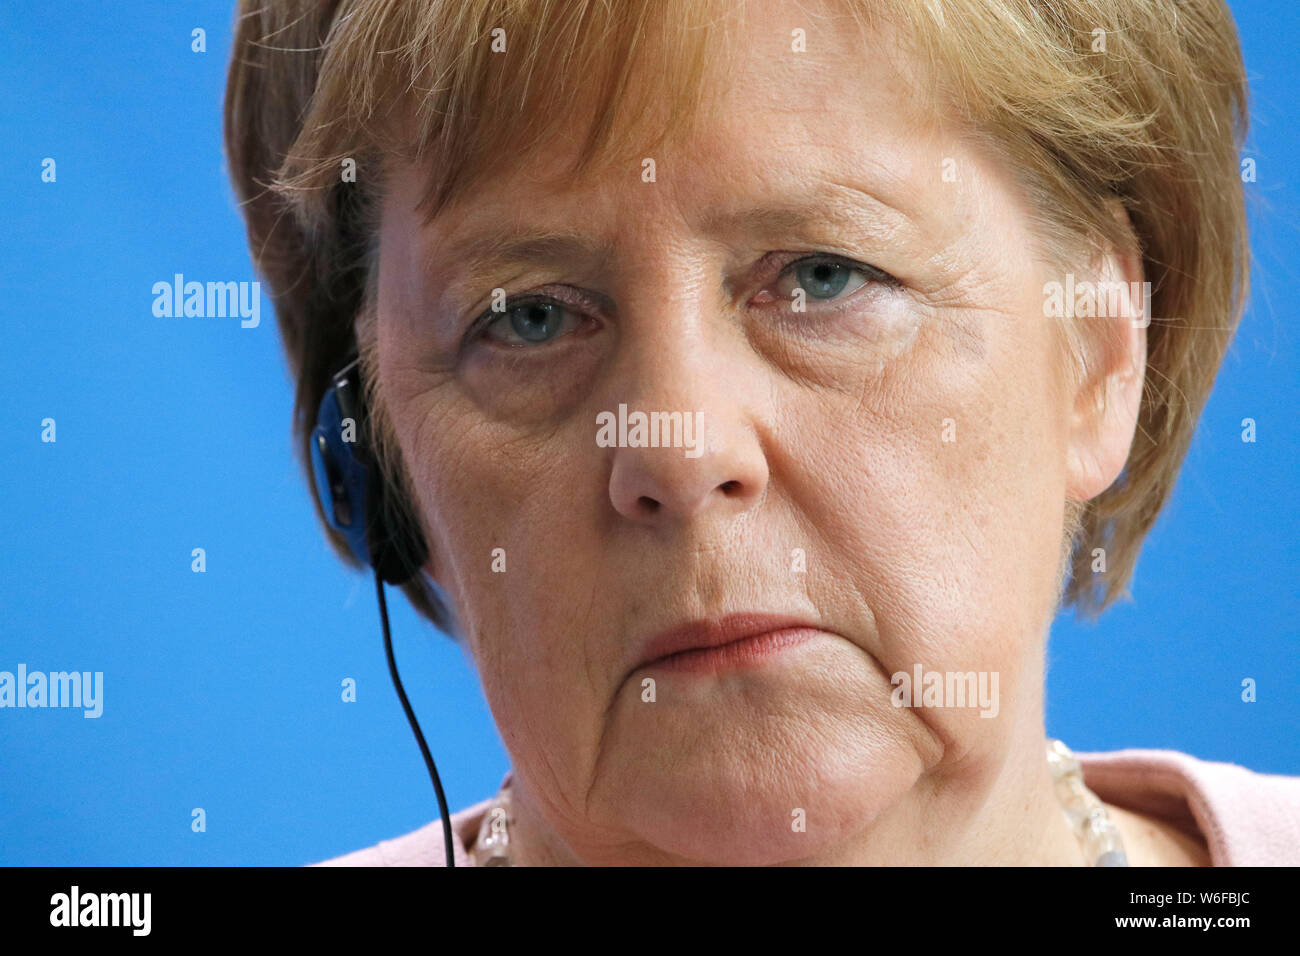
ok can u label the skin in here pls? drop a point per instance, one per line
(825, 433)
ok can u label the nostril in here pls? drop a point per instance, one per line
(648, 505)
(729, 487)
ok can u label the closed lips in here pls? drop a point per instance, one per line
(735, 633)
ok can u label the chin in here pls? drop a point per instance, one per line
(724, 787)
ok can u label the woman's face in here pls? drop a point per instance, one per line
(888, 465)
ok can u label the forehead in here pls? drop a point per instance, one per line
(803, 109)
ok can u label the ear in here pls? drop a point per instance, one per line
(1107, 396)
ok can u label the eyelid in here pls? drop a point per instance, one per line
(566, 296)
(874, 272)
(577, 304)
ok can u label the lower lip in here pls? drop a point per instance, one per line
(747, 652)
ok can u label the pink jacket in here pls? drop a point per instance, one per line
(1246, 818)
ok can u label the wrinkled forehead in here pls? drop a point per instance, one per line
(576, 103)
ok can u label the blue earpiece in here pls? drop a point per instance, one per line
(351, 488)
(340, 477)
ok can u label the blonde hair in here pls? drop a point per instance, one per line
(1095, 105)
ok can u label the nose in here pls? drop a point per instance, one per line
(655, 478)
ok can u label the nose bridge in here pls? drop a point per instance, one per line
(673, 320)
(680, 433)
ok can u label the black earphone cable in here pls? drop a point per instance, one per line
(415, 726)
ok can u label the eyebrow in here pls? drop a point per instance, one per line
(485, 255)
(836, 206)
(760, 219)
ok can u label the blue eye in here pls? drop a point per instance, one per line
(825, 278)
(529, 323)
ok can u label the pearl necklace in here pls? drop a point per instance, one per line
(1098, 837)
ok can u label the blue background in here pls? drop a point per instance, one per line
(223, 689)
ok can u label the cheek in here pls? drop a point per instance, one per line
(942, 491)
(511, 545)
